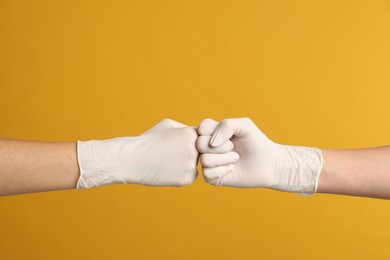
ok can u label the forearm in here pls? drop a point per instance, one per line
(357, 172)
(27, 166)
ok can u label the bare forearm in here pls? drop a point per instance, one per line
(358, 172)
(27, 166)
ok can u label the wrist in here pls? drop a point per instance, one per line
(98, 162)
(301, 169)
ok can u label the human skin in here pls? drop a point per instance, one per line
(28, 166)
(357, 172)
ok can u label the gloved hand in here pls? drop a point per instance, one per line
(165, 155)
(255, 160)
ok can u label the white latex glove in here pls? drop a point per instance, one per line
(256, 161)
(165, 155)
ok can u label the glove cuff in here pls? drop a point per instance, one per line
(302, 169)
(310, 170)
(93, 173)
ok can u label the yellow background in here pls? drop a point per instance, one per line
(307, 72)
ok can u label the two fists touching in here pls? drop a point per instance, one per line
(233, 152)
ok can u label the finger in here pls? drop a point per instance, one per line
(209, 160)
(217, 172)
(203, 145)
(207, 127)
(228, 128)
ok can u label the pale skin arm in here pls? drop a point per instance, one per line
(27, 166)
(356, 172)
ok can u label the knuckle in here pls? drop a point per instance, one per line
(206, 172)
(190, 132)
(247, 121)
(192, 154)
(187, 136)
(204, 124)
(204, 159)
(226, 122)
(167, 121)
(202, 143)
(206, 121)
(199, 145)
(201, 124)
(245, 118)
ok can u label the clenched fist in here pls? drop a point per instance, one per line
(165, 155)
(236, 153)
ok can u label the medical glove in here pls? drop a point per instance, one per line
(165, 155)
(250, 159)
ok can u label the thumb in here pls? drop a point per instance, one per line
(239, 127)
